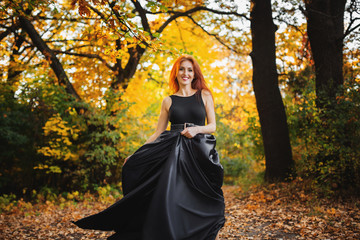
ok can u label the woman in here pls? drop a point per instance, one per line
(172, 184)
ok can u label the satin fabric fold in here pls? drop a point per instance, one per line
(172, 190)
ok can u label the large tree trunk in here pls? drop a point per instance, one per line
(325, 28)
(269, 103)
(55, 64)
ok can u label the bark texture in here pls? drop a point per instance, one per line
(269, 103)
(325, 28)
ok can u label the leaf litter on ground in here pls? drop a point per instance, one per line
(274, 211)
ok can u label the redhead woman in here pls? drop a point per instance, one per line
(172, 184)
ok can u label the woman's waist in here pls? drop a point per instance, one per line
(182, 126)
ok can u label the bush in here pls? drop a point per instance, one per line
(326, 140)
(49, 140)
(240, 150)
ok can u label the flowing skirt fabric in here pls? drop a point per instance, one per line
(172, 190)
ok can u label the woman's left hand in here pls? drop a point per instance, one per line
(190, 132)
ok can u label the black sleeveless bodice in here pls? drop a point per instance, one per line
(189, 109)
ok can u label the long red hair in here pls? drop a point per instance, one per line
(198, 81)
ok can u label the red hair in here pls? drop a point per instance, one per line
(198, 81)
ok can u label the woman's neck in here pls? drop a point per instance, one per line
(186, 91)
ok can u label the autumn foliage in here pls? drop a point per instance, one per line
(81, 85)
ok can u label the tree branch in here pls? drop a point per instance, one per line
(14, 70)
(87, 55)
(202, 8)
(193, 10)
(103, 17)
(8, 30)
(181, 38)
(66, 40)
(66, 19)
(49, 55)
(142, 13)
(81, 46)
(214, 35)
(291, 25)
(349, 29)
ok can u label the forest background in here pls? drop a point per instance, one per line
(82, 84)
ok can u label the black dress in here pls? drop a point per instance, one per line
(171, 186)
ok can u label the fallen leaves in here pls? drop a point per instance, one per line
(279, 212)
(271, 212)
(49, 221)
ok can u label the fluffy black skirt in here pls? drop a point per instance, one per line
(172, 190)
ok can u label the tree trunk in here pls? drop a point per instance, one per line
(123, 75)
(49, 55)
(325, 28)
(269, 103)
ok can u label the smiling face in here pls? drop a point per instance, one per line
(186, 73)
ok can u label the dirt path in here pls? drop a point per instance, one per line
(264, 213)
(279, 212)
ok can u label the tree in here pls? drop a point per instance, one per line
(54, 62)
(269, 103)
(119, 17)
(325, 28)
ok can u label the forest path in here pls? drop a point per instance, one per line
(284, 212)
(271, 212)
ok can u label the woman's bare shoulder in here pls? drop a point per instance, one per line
(167, 99)
(167, 102)
(205, 92)
(206, 95)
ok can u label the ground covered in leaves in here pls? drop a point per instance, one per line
(268, 212)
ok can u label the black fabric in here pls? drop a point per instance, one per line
(172, 187)
(189, 109)
(172, 190)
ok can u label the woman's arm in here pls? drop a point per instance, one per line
(210, 115)
(163, 119)
(162, 122)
